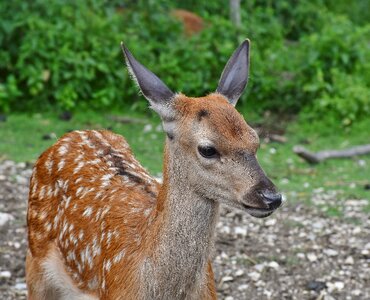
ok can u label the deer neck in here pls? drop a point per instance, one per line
(186, 234)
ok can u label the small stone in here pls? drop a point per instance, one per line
(5, 218)
(240, 231)
(274, 265)
(301, 255)
(227, 278)
(339, 285)
(239, 273)
(267, 293)
(349, 260)
(356, 292)
(356, 230)
(225, 230)
(316, 286)
(284, 181)
(311, 257)
(254, 276)
(270, 222)
(331, 252)
(21, 180)
(20, 286)
(272, 150)
(243, 287)
(328, 297)
(260, 283)
(5, 274)
(148, 128)
(259, 267)
(21, 165)
(229, 298)
(361, 163)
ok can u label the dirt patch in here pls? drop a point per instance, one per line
(298, 253)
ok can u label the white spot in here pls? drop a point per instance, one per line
(73, 239)
(87, 191)
(98, 194)
(106, 179)
(61, 164)
(47, 227)
(43, 215)
(108, 264)
(118, 256)
(109, 236)
(94, 162)
(63, 149)
(78, 158)
(93, 283)
(79, 190)
(49, 163)
(67, 200)
(50, 191)
(42, 192)
(96, 250)
(71, 256)
(147, 212)
(56, 190)
(98, 134)
(79, 166)
(87, 212)
(81, 235)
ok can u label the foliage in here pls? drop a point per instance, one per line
(307, 56)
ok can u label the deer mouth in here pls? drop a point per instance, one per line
(258, 212)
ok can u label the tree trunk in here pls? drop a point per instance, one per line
(235, 12)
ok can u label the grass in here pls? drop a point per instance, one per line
(22, 140)
(24, 135)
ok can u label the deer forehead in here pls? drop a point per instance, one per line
(214, 118)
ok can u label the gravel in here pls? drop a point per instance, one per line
(297, 253)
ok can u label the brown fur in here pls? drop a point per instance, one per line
(192, 23)
(130, 203)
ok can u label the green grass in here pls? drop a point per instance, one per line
(298, 179)
(22, 135)
(22, 140)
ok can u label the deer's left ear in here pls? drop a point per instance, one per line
(234, 77)
(158, 94)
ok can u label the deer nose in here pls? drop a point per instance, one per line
(273, 200)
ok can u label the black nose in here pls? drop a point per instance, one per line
(273, 200)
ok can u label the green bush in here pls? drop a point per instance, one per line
(307, 56)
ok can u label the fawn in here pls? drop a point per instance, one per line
(100, 227)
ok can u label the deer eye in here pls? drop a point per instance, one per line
(208, 151)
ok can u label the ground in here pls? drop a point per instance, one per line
(297, 253)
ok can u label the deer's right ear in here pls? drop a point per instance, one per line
(158, 94)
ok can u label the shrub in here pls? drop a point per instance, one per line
(65, 54)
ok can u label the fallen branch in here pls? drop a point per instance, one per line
(314, 158)
(126, 120)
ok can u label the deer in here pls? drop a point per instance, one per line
(101, 227)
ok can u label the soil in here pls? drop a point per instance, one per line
(297, 253)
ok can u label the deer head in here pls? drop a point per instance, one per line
(209, 144)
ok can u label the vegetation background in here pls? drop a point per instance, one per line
(310, 77)
(61, 69)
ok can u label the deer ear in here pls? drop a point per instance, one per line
(158, 94)
(234, 77)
